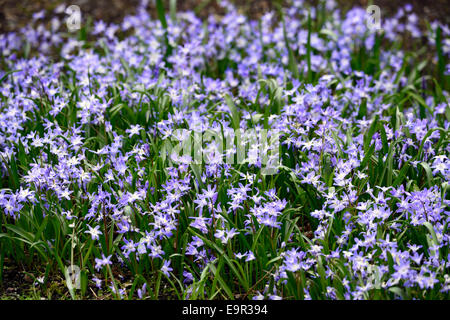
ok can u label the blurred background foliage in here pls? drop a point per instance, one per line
(15, 14)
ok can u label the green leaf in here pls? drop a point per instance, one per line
(21, 232)
(83, 281)
(432, 232)
(216, 272)
(7, 74)
(402, 174)
(292, 63)
(161, 13)
(173, 9)
(370, 133)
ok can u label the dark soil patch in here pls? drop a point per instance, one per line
(20, 282)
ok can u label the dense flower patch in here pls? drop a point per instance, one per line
(356, 206)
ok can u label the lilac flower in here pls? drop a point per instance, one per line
(134, 130)
(142, 291)
(98, 282)
(99, 263)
